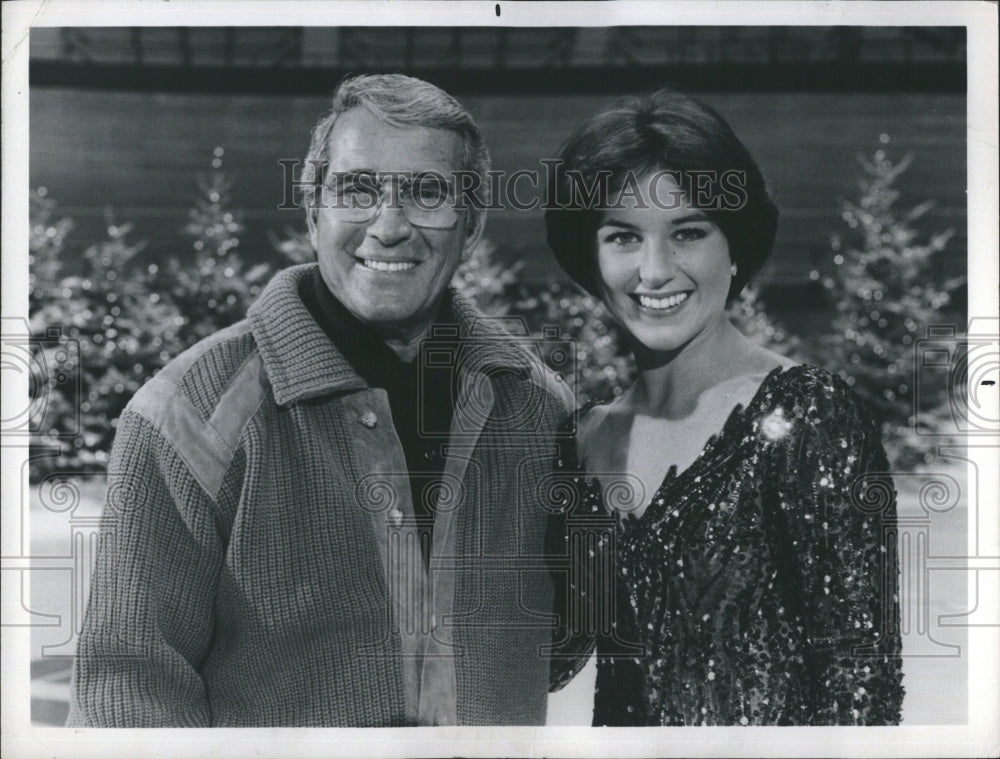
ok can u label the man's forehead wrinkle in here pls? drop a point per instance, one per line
(370, 157)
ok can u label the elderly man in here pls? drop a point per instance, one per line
(331, 513)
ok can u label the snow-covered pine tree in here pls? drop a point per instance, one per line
(886, 286)
(214, 288)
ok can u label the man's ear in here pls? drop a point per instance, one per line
(311, 223)
(473, 232)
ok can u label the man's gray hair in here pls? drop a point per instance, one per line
(401, 101)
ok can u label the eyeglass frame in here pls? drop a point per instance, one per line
(373, 186)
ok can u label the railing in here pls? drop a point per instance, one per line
(485, 48)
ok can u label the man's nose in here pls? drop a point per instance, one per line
(390, 225)
(657, 264)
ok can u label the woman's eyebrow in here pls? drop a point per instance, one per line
(688, 218)
(694, 216)
(617, 223)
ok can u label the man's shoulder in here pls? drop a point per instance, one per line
(508, 342)
(201, 401)
(232, 343)
(202, 373)
(551, 382)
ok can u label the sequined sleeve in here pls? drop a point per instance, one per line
(840, 578)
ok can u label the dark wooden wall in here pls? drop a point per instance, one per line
(139, 153)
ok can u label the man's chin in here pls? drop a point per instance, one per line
(394, 318)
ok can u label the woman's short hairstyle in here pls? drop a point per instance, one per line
(401, 101)
(664, 131)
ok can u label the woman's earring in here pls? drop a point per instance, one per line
(733, 270)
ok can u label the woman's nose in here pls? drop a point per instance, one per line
(657, 265)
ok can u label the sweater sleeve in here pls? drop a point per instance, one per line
(835, 548)
(148, 625)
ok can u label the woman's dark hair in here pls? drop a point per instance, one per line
(665, 131)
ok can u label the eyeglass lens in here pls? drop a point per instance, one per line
(426, 201)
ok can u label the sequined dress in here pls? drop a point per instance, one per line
(761, 582)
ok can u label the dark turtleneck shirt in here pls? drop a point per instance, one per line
(419, 398)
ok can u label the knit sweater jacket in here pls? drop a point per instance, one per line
(258, 561)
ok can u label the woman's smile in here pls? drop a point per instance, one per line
(661, 304)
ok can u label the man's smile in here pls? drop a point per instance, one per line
(387, 266)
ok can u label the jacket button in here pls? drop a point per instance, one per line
(396, 517)
(369, 419)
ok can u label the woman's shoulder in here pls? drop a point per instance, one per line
(809, 394)
(808, 381)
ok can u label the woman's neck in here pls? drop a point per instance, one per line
(669, 383)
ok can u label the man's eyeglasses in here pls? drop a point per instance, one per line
(427, 199)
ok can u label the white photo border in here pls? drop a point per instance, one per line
(980, 736)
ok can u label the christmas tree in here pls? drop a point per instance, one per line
(486, 281)
(886, 290)
(53, 419)
(294, 247)
(214, 287)
(119, 319)
(747, 313)
(603, 366)
(102, 333)
(45, 246)
(604, 363)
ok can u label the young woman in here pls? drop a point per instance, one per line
(756, 583)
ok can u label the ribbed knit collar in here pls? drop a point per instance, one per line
(370, 356)
(301, 362)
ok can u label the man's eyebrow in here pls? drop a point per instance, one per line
(350, 175)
